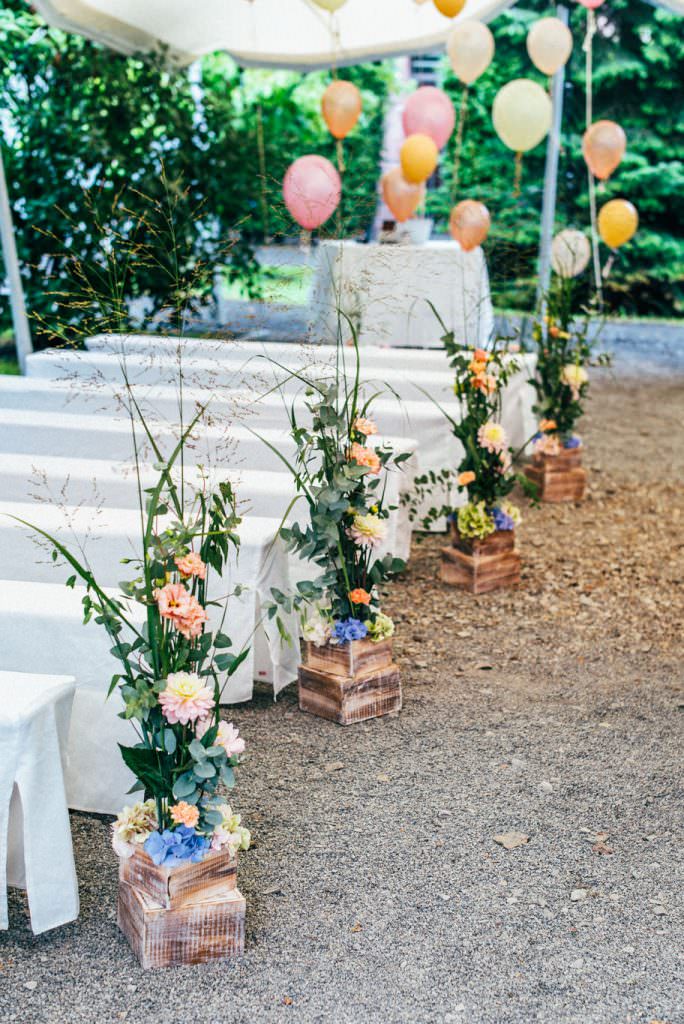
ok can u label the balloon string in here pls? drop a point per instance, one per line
(518, 175)
(261, 149)
(609, 264)
(589, 113)
(462, 113)
(341, 168)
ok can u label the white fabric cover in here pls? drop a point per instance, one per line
(384, 290)
(108, 535)
(34, 722)
(272, 33)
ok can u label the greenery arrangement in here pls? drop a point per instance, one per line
(565, 344)
(341, 475)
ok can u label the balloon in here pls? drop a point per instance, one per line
(591, 5)
(521, 114)
(334, 5)
(470, 47)
(603, 144)
(402, 199)
(549, 44)
(449, 8)
(429, 111)
(570, 252)
(617, 222)
(312, 190)
(341, 107)
(469, 223)
(418, 157)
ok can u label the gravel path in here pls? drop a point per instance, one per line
(376, 892)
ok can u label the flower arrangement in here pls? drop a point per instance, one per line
(561, 381)
(340, 475)
(170, 669)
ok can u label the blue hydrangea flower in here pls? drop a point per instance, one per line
(572, 442)
(172, 848)
(536, 437)
(349, 629)
(502, 521)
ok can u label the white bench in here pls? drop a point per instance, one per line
(35, 836)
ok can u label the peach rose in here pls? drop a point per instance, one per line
(359, 596)
(183, 813)
(364, 426)
(363, 456)
(191, 565)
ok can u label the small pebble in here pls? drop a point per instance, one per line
(578, 894)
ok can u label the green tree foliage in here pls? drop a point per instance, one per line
(638, 81)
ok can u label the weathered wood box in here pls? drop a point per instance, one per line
(481, 565)
(350, 682)
(558, 477)
(183, 915)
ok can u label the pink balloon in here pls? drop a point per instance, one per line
(312, 190)
(591, 5)
(429, 111)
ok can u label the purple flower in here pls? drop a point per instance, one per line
(349, 629)
(572, 442)
(172, 848)
(502, 521)
(536, 437)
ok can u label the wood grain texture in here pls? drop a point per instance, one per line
(481, 566)
(370, 688)
(558, 477)
(175, 887)
(208, 929)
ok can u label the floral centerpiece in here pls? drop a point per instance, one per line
(561, 381)
(341, 474)
(170, 673)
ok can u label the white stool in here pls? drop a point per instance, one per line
(34, 724)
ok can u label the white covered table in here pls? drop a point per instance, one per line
(384, 289)
(35, 836)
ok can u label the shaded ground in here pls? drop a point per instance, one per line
(375, 890)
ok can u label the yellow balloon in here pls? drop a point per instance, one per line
(470, 47)
(449, 8)
(330, 5)
(549, 44)
(418, 157)
(521, 114)
(617, 222)
(341, 107)
(603, 145)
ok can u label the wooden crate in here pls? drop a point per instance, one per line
(175, 887)
(481, 565)
(210, 928)
(558, 477)
(348, 683)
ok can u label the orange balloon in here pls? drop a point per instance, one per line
(341, 106)
(603, 145)
(402, 198)
(418, 156)
(617, 222)
(449, 8)
(469, 224)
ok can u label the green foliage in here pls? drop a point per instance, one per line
(639, 82)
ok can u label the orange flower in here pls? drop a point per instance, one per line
(364, 426)
(184, 814)
(554, 331)
(364, 457)
(485, 382)
(481, 355)
(477, 366)
(547, 425)
(466, 478)
(359, 596)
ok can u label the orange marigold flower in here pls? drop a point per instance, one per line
(466, 478)
(363, 456)
(359, 596)
(184, 814)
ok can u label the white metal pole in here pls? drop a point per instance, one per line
(22, 333)
(551, 176)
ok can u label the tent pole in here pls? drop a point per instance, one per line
(22, 332)
(551, 177)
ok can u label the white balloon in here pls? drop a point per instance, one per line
(470, 47)
(570, 252)
(549, 44)
(521, 114)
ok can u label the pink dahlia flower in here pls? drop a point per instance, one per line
(185, 698)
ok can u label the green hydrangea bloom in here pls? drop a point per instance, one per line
(473, 521)
(382, 628)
